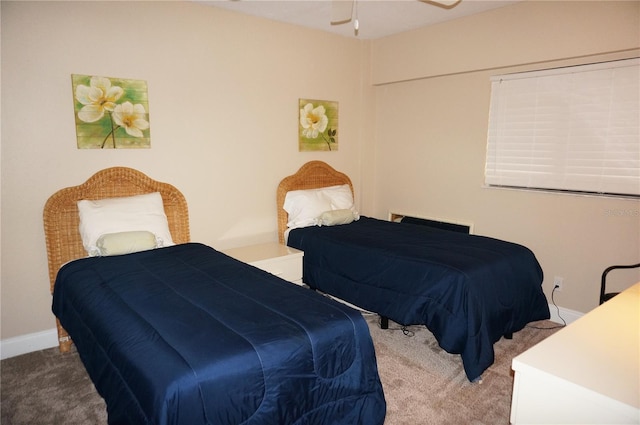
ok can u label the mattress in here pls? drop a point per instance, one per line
(468, 290)
(187, 335)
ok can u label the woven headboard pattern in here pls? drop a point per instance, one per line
(312, 175)
(61, 219)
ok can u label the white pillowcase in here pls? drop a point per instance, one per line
(305, 206)
(126, 242)
(126, 214)
(341, 196)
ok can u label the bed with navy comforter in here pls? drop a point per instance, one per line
(468, 290)
(187, 335)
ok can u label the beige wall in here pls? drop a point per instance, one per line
(223, 99)
(223, 92)
(432, 99)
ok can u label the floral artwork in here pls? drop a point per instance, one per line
(318, 125)
(110, 113)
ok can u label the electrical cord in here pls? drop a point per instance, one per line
(564, 323)
(404, 328)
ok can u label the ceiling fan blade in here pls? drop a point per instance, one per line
(445, 4)
(341, 11)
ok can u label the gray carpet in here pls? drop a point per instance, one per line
(422, 383)
(47, 387)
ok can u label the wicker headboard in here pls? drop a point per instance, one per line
(312, 175)
(61, 220)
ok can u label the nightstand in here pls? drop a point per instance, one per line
(274, 257)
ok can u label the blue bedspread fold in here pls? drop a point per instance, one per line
(187, 335)
(468, 290)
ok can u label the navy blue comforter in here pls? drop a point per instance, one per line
(468, 290)
(187, 335)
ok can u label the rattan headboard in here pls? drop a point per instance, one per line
(312, 175)
(61, 220)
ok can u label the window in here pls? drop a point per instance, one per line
(572, 129)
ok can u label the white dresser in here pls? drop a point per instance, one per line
(586, 373)
(274, 257)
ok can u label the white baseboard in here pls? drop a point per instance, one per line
(24, 344)
(563, 315)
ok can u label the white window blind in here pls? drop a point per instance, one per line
(572, 129)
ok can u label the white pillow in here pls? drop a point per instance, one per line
(340, 196)
(126, 242)
(126, 214)
(337, 217)
(305, 206)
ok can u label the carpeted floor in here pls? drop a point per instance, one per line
(422, 383)
(46, 388)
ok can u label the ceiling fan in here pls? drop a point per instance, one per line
(344, 11)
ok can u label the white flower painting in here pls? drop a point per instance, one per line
(318, 125)
(110, 113)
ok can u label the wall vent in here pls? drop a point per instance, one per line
(438, 223)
